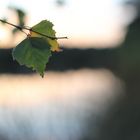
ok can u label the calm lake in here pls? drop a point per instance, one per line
(56, 107)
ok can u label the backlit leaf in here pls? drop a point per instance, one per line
(34, 52)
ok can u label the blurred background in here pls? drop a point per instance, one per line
(90, 90)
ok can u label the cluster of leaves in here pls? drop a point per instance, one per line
(36, 49)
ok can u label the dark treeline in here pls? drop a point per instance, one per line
(69, 59)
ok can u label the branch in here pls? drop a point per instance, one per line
(30, 29)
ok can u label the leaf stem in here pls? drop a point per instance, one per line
(30, 29)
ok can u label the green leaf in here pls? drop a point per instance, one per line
(46, 27)
(34, 52)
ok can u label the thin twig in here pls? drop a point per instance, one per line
(18, 27)
(47, 35)
(30, 29)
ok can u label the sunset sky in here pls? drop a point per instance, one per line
(58, 104)
(85, 22)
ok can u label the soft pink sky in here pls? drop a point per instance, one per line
(85, 22)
